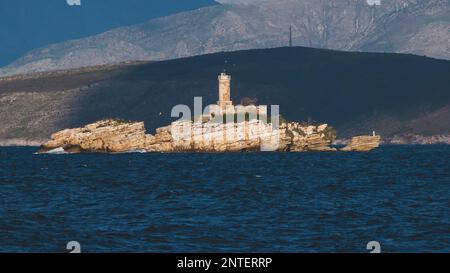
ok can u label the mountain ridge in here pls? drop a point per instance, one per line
(26, 25)
(405, 26)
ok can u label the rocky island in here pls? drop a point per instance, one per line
(206, 133)
(115, 136)
(363, 144)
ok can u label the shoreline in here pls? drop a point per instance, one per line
(396, 140)
(33, 144)
(19, 142)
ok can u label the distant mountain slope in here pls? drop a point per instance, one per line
(408, 26)
(355, 92)
(29, 24)
(241, 1)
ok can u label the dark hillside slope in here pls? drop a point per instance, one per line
(355, 92)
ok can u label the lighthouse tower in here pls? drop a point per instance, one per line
(224, 91)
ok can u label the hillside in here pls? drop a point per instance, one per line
(420, 27)
(393, 94)
(26, 24)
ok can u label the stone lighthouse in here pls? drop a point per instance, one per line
(224, 91)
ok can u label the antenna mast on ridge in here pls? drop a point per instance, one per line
(290, 36)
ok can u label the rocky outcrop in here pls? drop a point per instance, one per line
(362, 144)
(188, 136)
(298, 138)
(102, 136)
(251, 135)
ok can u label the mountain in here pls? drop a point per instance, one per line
(26, 24)
(245, 2)
(407, 26)
(393, 94)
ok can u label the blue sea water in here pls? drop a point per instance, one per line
(249, 202)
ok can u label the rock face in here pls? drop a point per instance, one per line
(188, 136)
(363, 144)
(252, 135)
(102, 136)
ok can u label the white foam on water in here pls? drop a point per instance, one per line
(61, 151)
(57, 151)
(137, 151)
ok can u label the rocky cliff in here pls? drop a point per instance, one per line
(187, 136)
(102, 136)
(363, 144)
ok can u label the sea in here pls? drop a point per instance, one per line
(397, 196)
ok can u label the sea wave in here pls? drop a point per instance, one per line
(57, 151)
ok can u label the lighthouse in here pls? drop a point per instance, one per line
(224, 91)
